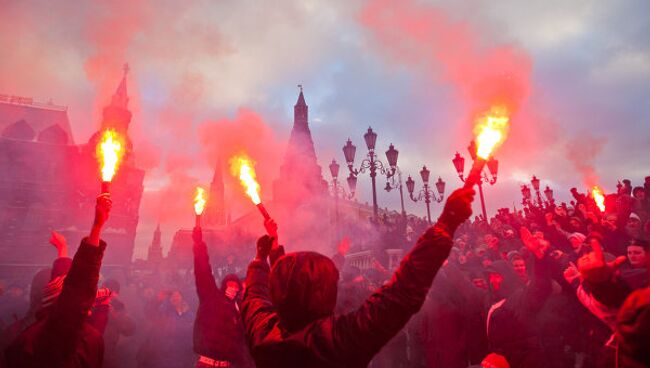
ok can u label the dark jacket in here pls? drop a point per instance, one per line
(512, 327)
(633, 330)
(218, 328)
(349, 340)
(63, 338)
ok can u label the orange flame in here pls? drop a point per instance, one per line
(110, 151)
(491, 130)
(242, 167)
(199, 200)
(599, 197)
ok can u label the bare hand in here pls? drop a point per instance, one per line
(59, 242)
(271, 228)
(458, 207)
(535, 245)
(592, 266)
(571, 273)
(102, 209)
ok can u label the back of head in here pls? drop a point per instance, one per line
(303, 288)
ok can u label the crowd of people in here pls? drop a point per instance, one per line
(551, 285)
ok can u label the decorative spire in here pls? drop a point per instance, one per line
(301, 98)
(121, 98)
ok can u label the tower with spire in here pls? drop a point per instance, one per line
(155, 249)
(301, 177)
(117, 114)
(215, 211)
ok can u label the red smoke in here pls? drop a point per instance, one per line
(581, 152)
(426, 37)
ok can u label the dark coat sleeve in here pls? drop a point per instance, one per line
(70, 311)
(206, 286)
(384, 313)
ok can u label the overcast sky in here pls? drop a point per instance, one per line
(581, 71)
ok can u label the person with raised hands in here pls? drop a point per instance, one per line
(62, 337)
(288, 306)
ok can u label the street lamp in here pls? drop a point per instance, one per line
(426, 193)
(527, 194)
(391, 182)
(338, 190)
(493, 168)
(370, 163)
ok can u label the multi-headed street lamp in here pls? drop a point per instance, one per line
(371, 163)
(426, 193)
(527, 194)
(493, 168)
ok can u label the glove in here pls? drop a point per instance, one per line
(264, 245)
(458, 208)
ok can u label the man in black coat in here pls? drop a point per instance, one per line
(288, 310)
(218, 328)
(62, 337)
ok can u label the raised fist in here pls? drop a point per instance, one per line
(458, 207)
(102, 209)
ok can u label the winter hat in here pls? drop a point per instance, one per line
(494, 360)
(579, 236)
(634, 216)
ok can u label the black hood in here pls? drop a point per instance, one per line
(303, 288)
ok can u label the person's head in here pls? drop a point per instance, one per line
(609, 221)
(303, 288)
(492, 243)
(639, 193)
(112, 285)
(495, 279)
(560, 211)
(575, 223)
(637, 252)
(231, 286)
(519, 265)
(478, 280)
(576, 240)
(634, 224)
(176, 299)
(594, 239)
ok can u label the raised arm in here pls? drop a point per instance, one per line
(80, 286)
(206, 286)
(362, 333)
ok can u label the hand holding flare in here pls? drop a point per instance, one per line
(491, 130)
(242, 167)
(199, 204)
(110, 151)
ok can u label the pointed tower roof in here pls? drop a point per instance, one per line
(300, 175)
(121, 97)
(301, 98)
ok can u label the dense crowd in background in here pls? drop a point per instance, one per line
(511, 287)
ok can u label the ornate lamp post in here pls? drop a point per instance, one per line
(426, 193)
(392, 183)
(526, 193)
(337, 190)
(371, 163)
(493, 168)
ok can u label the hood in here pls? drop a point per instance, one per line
(633, 326)
(303, 288)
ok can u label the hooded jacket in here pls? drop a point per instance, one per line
(218, 329)
(288, 311)
(62, 337)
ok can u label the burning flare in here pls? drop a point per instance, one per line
(599, 198)
(199, 201)
(491, 130)
(110, 151)
(242, 167)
